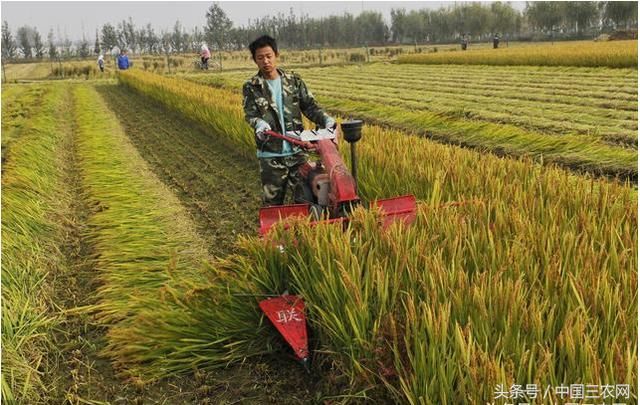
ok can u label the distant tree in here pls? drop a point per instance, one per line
(580, 15)
(620, 13)
(398, 24)
(441, 25)
(371, 28)
(96, 44)
(109, 37)
(9, 46)
(544, 15)
(504, 18)
(25, 41)
(218, 27)
(83, 48)
(178, 42)
(165, 42)
(38, 46)
(165, 46)
(127, 34)
(67, 46)
(141, 40)
(416, 26)
(478, 19)
(197, 38)
(53, 52)
(151, 39)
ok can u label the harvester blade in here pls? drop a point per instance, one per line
(401, 208)
(270, 215)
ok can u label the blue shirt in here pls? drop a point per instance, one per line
(123, 62)
(276, 91)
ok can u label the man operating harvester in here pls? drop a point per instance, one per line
(275, 100)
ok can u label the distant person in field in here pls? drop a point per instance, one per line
(101, 62)
(276, 99)
(496, 41)
(464, 42)
(205, 55)
(123, 60)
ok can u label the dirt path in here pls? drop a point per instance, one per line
(218, 186)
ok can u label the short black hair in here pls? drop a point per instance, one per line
(261, 42)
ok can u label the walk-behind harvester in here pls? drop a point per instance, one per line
(330, 195)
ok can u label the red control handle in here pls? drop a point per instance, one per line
(302, 144)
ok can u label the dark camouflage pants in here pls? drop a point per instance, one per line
(279, 173)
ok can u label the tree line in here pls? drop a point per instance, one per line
(478, 21)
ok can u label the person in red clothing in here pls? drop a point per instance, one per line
(205, 55)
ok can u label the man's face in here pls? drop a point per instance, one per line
(266, 59)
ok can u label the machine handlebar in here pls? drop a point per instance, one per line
(302, 144)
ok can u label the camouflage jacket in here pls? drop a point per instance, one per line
(259, 104)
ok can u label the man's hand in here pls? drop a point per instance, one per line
(261, 127)
(330, 123)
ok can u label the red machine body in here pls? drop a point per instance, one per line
(334, 188)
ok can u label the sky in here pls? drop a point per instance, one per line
(73, 18)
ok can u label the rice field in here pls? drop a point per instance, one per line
(582, 118)
(188, 62)
(132, 266)
(614, 54)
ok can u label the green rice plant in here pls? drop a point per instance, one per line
(217, 112)
(616, 54)
(447, 308)
(33, 195)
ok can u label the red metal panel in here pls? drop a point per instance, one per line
(398, 208)
(286, 312)
(270, 215)
(343, 186)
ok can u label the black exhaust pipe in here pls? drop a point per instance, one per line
(352, 132)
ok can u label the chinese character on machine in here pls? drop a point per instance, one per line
(288, 315)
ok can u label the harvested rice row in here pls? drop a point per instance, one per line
(19, 104)
(545, 118)
(152, 265)
(532, 73)
(216, 184)
(596, 77)
(581, 153)
(612, 121)
(140, 231)
(602, 82)
(452, 91)
(479, 80)
(433, 90)
(34, 196)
